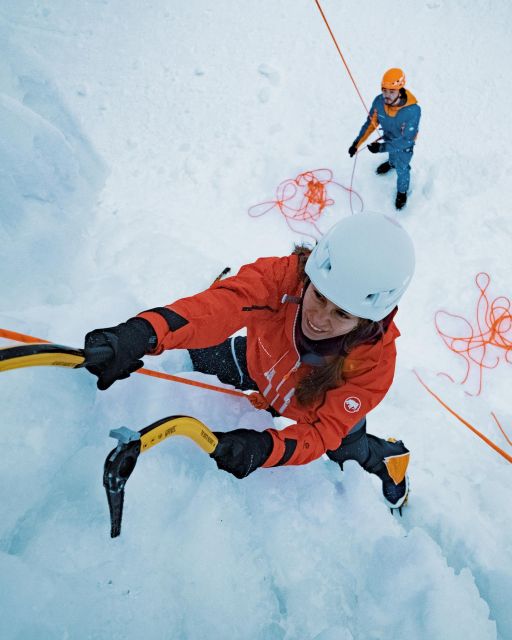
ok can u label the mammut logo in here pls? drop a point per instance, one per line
(352, 404)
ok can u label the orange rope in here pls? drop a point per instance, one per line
(464, 422)
(350, 189)
(485, 343)
(501, 428)
(20, 337)
(256, 399)
(302, 199)
(305, 198)
(342, 57)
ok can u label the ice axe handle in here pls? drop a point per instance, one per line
(97, 356)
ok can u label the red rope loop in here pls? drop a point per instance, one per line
(303, 199)
(489, 341)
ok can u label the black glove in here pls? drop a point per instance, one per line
(375, 147)
(242, 451)
(128, 342)
(352, 150)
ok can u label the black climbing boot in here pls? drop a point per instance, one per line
(383, 168)
(387, 459)
(401, 199)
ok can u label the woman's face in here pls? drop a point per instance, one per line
(321, 319)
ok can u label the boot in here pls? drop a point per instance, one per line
(395, 495)
(398, 496)
(391, 469)
(387, 459)
(383, 168)
(401, 199)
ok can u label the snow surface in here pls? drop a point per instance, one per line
(133, 139)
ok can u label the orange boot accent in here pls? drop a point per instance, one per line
(397, 465)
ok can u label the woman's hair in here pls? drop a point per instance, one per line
(313, 387)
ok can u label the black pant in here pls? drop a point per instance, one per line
(367, 450)
(228, 362)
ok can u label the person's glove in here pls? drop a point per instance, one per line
(123, 346)
(242, 451)
(352, 150)
(375, 147)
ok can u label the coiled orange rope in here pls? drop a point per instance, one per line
(303, 199)
(487, 343)
(484, 346)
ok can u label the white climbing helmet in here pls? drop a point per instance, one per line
(363, 264)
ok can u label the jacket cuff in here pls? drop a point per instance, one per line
(278, 450)
(160, 327)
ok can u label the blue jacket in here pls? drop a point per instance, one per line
(399, 124)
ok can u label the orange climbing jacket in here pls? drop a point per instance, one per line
(264, 297)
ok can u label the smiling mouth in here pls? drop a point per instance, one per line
(313, 328)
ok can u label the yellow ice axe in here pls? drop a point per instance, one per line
(41, 354)
(121, 461)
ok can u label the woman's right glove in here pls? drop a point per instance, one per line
(242, 451)
(121, 350)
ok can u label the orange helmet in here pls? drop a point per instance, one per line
(393, 79)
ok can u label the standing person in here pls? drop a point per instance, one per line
(320, 348)
(395, 110)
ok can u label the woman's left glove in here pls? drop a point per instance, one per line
(123, 347)
(242, 451)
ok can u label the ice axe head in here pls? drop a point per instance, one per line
(118, 467)
(121, 461)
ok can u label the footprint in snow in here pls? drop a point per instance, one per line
(271, 74)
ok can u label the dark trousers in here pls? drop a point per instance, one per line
(228, 362)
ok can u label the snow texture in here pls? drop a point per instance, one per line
(133, 140)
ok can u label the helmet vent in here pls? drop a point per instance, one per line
(325, 264)
(372, 298)
(322, 257)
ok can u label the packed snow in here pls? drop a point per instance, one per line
(133, 140)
